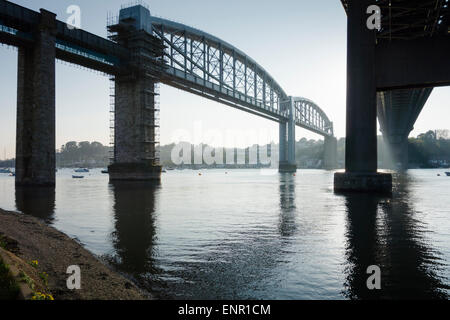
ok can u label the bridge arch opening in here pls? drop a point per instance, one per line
(82, 107)
(197, 120)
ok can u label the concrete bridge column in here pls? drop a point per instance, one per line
(35, 136)
(287, 134)
(330, 153)
(361, 141)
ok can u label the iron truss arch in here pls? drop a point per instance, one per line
(205, 65)
(310, 116)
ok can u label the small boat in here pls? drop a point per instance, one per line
(5, 170)
(81, 170)
(163, 170)
(77, 177)
(170, 169)
(448, 174)
(12, 174)
(105, 171)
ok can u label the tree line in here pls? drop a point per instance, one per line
(427, 150)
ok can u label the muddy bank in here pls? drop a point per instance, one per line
(31, 239)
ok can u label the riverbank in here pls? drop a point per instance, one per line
(32, 240)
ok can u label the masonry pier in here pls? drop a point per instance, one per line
(136, 123)
(35, 137)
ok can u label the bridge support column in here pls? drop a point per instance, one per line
(361, 141)
(330, 153)
(135, 154)
(136, 123)
(35, 136)
(287, 142)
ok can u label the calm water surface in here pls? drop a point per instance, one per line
(242, 234)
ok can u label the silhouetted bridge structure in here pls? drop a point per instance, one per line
(391, 73)
(141, 51)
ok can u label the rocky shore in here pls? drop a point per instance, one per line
(32, 240)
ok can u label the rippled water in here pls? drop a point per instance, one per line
(245, 235)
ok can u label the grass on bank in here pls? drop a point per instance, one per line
(10, 285)
(9, 289)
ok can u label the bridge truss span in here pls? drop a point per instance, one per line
(310, 116)
(203, 64)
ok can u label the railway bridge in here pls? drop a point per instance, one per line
(140, 52)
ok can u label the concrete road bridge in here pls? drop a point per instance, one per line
(391, 73)
(140, 52)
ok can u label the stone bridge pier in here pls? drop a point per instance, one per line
(136, 154)
(35, 136)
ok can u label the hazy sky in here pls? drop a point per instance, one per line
(302, 44)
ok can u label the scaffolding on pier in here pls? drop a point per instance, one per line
(145, 65)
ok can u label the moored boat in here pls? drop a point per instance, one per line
(77, 177)
(81, 170)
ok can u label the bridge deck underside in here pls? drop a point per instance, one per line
(411, 19)
(407, 20)
(398, 110)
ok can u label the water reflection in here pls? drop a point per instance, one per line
(36, 201)
(287, 224)
(362, 244)
(387, 233)
(134, 235)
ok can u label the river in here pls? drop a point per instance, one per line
(250, 234)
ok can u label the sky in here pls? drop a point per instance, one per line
(302, 44)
